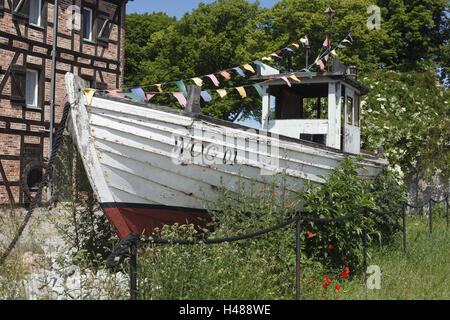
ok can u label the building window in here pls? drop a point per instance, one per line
(35, 12)
(350, 110)
(31, 88)
(87, 24)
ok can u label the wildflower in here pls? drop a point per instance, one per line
(274, 193)
(310, 234)
(347, 269)
(325, 285)
(344, 274)
(338, 287)
(260, 190)
(330, 246)
(328, 280)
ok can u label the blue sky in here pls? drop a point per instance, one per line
(177, 8)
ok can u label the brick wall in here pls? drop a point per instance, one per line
(23, 130)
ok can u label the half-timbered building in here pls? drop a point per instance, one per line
(90, 43)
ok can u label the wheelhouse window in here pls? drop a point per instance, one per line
(87, 24)
(350, 110)
(31, 88)
(35, 12)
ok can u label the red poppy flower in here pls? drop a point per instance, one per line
(347, 269)
(260, 190)
(338, 287)
(274, 193)
(330, 246)
(310, 234)
(344, 274)
(328, 280)
(325, 285)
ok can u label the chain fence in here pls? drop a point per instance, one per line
(128, 246)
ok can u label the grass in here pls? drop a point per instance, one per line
(420, 274)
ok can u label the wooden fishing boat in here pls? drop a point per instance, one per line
(151, 165)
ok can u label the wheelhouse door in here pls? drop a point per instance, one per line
(352, 131)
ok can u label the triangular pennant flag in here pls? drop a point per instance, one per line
(242, 92)
(197, 81)
(239, 70)
(259, 89)
(346, 41)
(304, 41)
(286, 80)
(295, 45)
(288, 49)
(320, 64)
(89, 94)
(222, 92)
(333, 53)
(137, 90)
(159, 87)
(182, 87)
(341, 46)
(350, 37)
(326, 58)
(308, 72)
(259, 63)
(267, 58)
(131, 95)
(151, 95)
(275, 55)
(248, 67)
(213, 79)
(114, 92)
(326, 43)
(180, 97)
(225, 74)
(205, 96)
(294, 77)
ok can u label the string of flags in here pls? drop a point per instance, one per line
(138, 93)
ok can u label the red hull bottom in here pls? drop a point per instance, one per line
(143, 219)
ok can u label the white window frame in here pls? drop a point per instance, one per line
(32, 104)
(38, 23)
(91, 26)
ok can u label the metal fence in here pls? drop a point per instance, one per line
(128, 246)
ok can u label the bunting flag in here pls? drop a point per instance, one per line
(341, 46)
(326, 58)
(267, 58)
(295, 45)
(320, 64)
(222, 92)
(239, 70)
(198, 81)
(326, 43)
(286, 80)
(258, 89)
(131, 95)
(205, 96)
(225, 74)
(304, 41)
(308, 72)
(114, 92)
(294, 77)
(259, 63)
(333, 53)
(276, 55)
(242, 92)
(159, 85)
(137, 90)
(346, 40)
(213, 79)
(89, 94)
(182, 87)
(248, 67)
(350, 37)
(151, 95)
(180, 97)
(288, 49)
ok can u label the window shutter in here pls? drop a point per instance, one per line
(21, 8)
(18, 84)
(103, 28)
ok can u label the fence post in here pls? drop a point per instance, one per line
(404, 227)
(133, 267)
(430, 213)
(446, 204)
(297, 258)
(365, 248)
